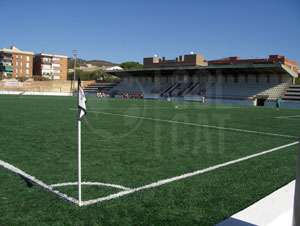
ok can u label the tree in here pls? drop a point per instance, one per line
(84, 75)
(131, 65)
(100, 75)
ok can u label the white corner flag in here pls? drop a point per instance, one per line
(81, 101)
(81, 113)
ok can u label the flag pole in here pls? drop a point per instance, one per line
(81, 112)
(79, 162)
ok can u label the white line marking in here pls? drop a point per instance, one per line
(128, 190)
(38, 182)
(159, 108)
(170, 180)
(90, 183)
(129, 108)
(194, 124)
(285, 117)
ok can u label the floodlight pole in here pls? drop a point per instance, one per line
(75, 54)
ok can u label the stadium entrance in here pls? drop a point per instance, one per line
(261, 99)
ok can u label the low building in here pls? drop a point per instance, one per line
(16, 63)
(273, 59)
(51, 66)
(188, 60)
(113, 68)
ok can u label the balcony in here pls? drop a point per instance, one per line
(6, 74)
(6, 68)
(47, 61)
(6, 59)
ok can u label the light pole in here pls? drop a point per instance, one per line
(75, 54)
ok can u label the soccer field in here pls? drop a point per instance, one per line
(145, 162)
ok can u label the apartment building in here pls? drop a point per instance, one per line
(51, 66)
(15, 63)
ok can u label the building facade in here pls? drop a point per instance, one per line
(15, 63)
(51, 66)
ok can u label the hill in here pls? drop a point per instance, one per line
(82, 62)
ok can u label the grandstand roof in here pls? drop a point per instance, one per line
(259, 69)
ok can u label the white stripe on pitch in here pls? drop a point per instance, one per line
(285, 117)
(36, 181)
(184, 176)
(194, 124)
(90, 183)
(162, 108)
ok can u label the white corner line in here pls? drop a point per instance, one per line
(170, 180)
(193, 124)
(37, 182)
(128, 190)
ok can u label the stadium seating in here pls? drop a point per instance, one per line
(99, 87)
(246, 91)
(292, 94)
(208, 89)
(139, 88)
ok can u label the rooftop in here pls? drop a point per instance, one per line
(254, 68)
(14, 49)
(50, 55)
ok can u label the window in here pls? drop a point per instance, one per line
(27, 58)
(27, 71)
(27, 65)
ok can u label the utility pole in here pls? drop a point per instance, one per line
(75, 54)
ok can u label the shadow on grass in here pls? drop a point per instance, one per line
(234, 222)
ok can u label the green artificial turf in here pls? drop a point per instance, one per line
(39, 136)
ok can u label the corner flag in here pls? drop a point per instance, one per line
(81, 113)
(81, 101)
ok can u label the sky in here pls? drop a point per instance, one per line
(129, 30)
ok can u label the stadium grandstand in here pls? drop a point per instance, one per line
(192, 78)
